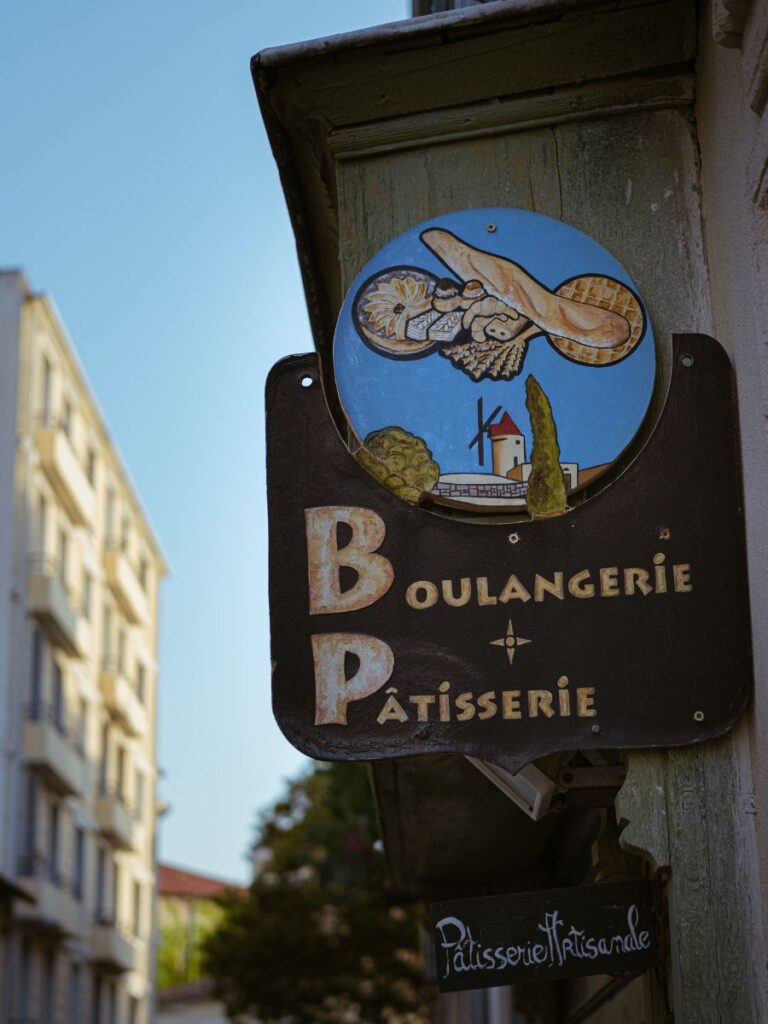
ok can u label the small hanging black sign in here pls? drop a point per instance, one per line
(535, 936)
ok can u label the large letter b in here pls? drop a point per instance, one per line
(325, 558)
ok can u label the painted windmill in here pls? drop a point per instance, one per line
(483, 431)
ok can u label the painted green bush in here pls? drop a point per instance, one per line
(401, 461)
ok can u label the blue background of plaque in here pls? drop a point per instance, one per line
(598, 410)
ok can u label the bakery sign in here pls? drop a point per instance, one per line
(457, 577)
(543, 935)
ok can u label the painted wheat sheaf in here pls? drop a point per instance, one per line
(499, 360)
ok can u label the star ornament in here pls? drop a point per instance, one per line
(510, 642)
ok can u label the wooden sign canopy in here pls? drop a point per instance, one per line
(623, 623)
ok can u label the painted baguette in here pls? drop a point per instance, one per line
(566, 318)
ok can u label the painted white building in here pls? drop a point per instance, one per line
(507, 445)
(570, 472)
(79, 577)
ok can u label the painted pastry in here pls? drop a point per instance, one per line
(447, 296)
(472, 292)
(385, 305)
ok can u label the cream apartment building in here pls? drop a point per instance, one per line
(79, 577)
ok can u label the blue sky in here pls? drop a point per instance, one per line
(137, 188)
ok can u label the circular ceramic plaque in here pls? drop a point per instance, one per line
(481, 349)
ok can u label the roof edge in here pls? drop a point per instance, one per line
(417, 29)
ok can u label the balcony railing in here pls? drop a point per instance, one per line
(43, 711)
(37, 865)
(111, 945)
(55, 907)
(122, 698)
(125, 584)
(51, 748)
(65, 472)
(50, 601)
(117, 820)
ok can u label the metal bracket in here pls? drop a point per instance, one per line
(529, 788)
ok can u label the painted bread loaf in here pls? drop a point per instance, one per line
(555, 314)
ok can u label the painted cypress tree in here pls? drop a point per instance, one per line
(546, 495)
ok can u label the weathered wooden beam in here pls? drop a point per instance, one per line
(494, 117)
(690, 813)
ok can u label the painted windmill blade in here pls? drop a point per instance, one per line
(557, 315)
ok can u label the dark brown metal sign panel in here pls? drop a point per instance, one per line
(535, 936)
(624, 623)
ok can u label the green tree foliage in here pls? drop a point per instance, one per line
(317, 940)
(546, 494)
(401, 461)
(183, 926)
